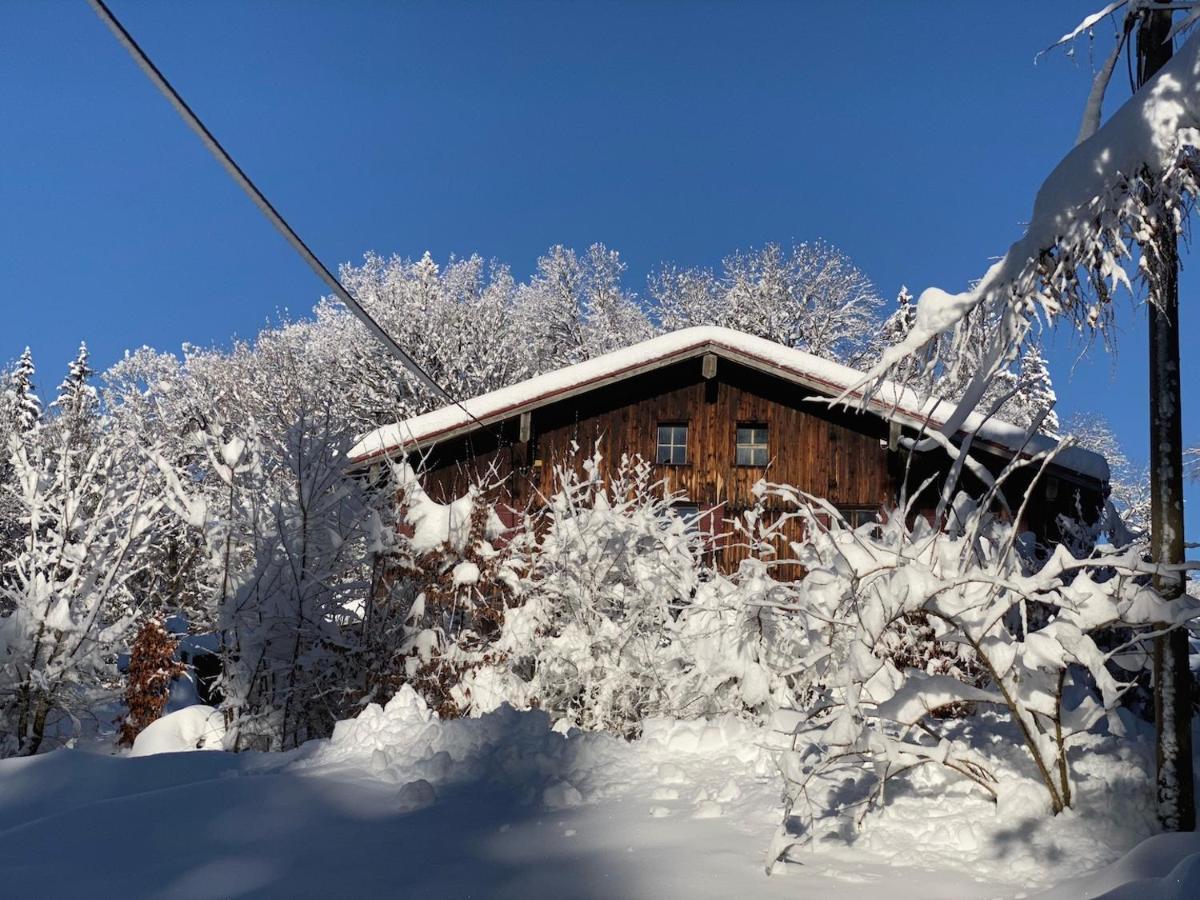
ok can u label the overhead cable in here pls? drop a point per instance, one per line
(264, 205)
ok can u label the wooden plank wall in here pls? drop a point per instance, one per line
(836, 454)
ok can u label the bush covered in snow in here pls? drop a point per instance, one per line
(1033, 641)
(602, 607)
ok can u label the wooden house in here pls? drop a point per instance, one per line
(717, 410)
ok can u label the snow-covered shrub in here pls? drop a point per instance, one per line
(450, 586)
(1047, 674)
(740, 643)
(601, 607)
(610, 570)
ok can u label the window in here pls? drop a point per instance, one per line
(686, 511)
(856, 518)
(672, 445)
(689, 513)
(751, 445)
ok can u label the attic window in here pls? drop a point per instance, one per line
(752, 445)
(672, 445)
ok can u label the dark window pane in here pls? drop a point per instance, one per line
(672, 445)
(758, 456)
(856, 518)
(744, 456)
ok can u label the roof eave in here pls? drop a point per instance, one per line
(875, 406)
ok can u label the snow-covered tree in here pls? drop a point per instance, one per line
(1035, 397)
(811, 297)
(916, 371)
(1129, 482)
(1021, 392)
(77, 397)
(1109, 213)
(613, 318)
(575, 307)
(287, 658)
(86, 518)
(24, 402)
(287, 570)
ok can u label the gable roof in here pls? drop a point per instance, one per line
(825, 378)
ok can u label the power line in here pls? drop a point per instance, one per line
(264, 205)
(222, 155)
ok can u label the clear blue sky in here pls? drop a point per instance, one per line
(911, 134)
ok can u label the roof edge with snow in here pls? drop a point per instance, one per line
(829, 379)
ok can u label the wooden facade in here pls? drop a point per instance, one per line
(854, 459)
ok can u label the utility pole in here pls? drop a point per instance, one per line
(1172, 675)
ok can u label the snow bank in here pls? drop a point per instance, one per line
(727, 769)
(1163, 867)
(191, 728)
(405, 741)
(502, 806)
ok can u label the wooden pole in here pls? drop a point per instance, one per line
(1172, 675)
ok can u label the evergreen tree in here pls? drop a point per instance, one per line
(25, 404)
(76, 398)
(1037, 390)
(913, 371)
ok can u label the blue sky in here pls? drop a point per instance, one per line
(911, 134)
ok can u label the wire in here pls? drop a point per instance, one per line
(235, 171)
(264, 205)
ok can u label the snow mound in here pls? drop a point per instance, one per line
(724, 735)
(405, 741)
(1162, 867)
(191, 728)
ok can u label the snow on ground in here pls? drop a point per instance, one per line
(190, 728)
(401, 803)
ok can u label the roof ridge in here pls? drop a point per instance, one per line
(821, 375)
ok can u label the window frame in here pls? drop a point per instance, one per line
(672, 444)
(752, 446)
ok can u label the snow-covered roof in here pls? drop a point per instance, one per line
(825, 378)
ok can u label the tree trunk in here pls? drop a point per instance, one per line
(1172, 676)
